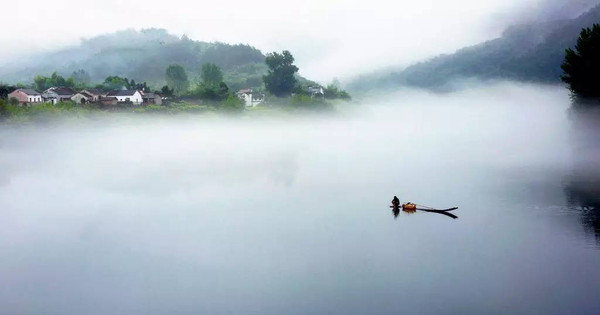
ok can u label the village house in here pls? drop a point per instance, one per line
(26, 96)
(95, 94)
(58, 94)
(126, 96)
(251, 98)
(108, 100)
(152, 98)
(316, 91)
(82, 98)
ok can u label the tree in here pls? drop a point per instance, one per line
(177, 78)
(4, 111)
(211, 74)
(212, 92)
(166, 92)
(5, 90)
(280, 79)
(581, 67)
(139, 86)
(232, 104)
(81, 77)
(333, 92)
(43, 83)
(116, 83)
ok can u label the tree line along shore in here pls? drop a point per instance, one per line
(54, 95)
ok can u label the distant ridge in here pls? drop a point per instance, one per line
(532, 52)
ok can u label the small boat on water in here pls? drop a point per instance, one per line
(413, 206)
(409, 206)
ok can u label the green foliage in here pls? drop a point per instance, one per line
(81, 77)
(177, 78)
(333, 92)
(139, 86)
(581, 66)
(115, 83)
(4, 109)
(13, 101)
(211, 92)
(248, 76)
(5, 90)
(303, 101)
(166, 92)
(211, 74)
(232, 104)
(43, 83)
(173, 109)
(280, 79)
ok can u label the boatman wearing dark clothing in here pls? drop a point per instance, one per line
(396, 202)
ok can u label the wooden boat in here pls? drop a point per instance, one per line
(409, 206)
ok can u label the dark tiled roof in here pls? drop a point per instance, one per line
(85, 94)
(150, 95)
(29, 91)
(94, 91)
(121, 93)
(63, 90)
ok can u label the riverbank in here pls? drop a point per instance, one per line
(69, 111)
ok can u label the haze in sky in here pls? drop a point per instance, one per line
(328, 38)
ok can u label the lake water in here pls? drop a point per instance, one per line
(281, 215)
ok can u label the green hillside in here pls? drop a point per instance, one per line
(526, 52)
(143, 56)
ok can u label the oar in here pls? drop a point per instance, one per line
(449, 209)
(443, 212)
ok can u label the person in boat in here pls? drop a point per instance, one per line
(396, 202)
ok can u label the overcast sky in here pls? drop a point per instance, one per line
(329, 38)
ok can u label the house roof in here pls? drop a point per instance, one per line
(86, 94)
(29, 91)
(93, 91)
(121, 93)
(151, 95)
(61, 90)
(109, 98)
(244, 91)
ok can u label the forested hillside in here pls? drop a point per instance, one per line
(142, 56)
(526, 52)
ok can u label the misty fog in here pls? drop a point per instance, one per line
(289, 215)
(325, 36)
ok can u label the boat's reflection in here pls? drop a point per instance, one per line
(396, 212)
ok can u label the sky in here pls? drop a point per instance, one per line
(329, 38)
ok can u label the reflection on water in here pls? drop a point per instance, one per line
(582, 186)
(396, 212)
(585, 198)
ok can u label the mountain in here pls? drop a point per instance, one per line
(532, 52)
(142, 56)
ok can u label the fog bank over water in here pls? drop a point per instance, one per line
(290, 215)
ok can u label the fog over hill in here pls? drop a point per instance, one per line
(526, 52)
(143, 56)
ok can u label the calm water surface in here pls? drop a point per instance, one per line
(291, 216)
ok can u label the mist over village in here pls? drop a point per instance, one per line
(328, 157)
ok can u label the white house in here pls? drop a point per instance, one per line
(316, 91)
(133, 96)
(82, 98)
(250, 97)
(58, 94)
(26, 96)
